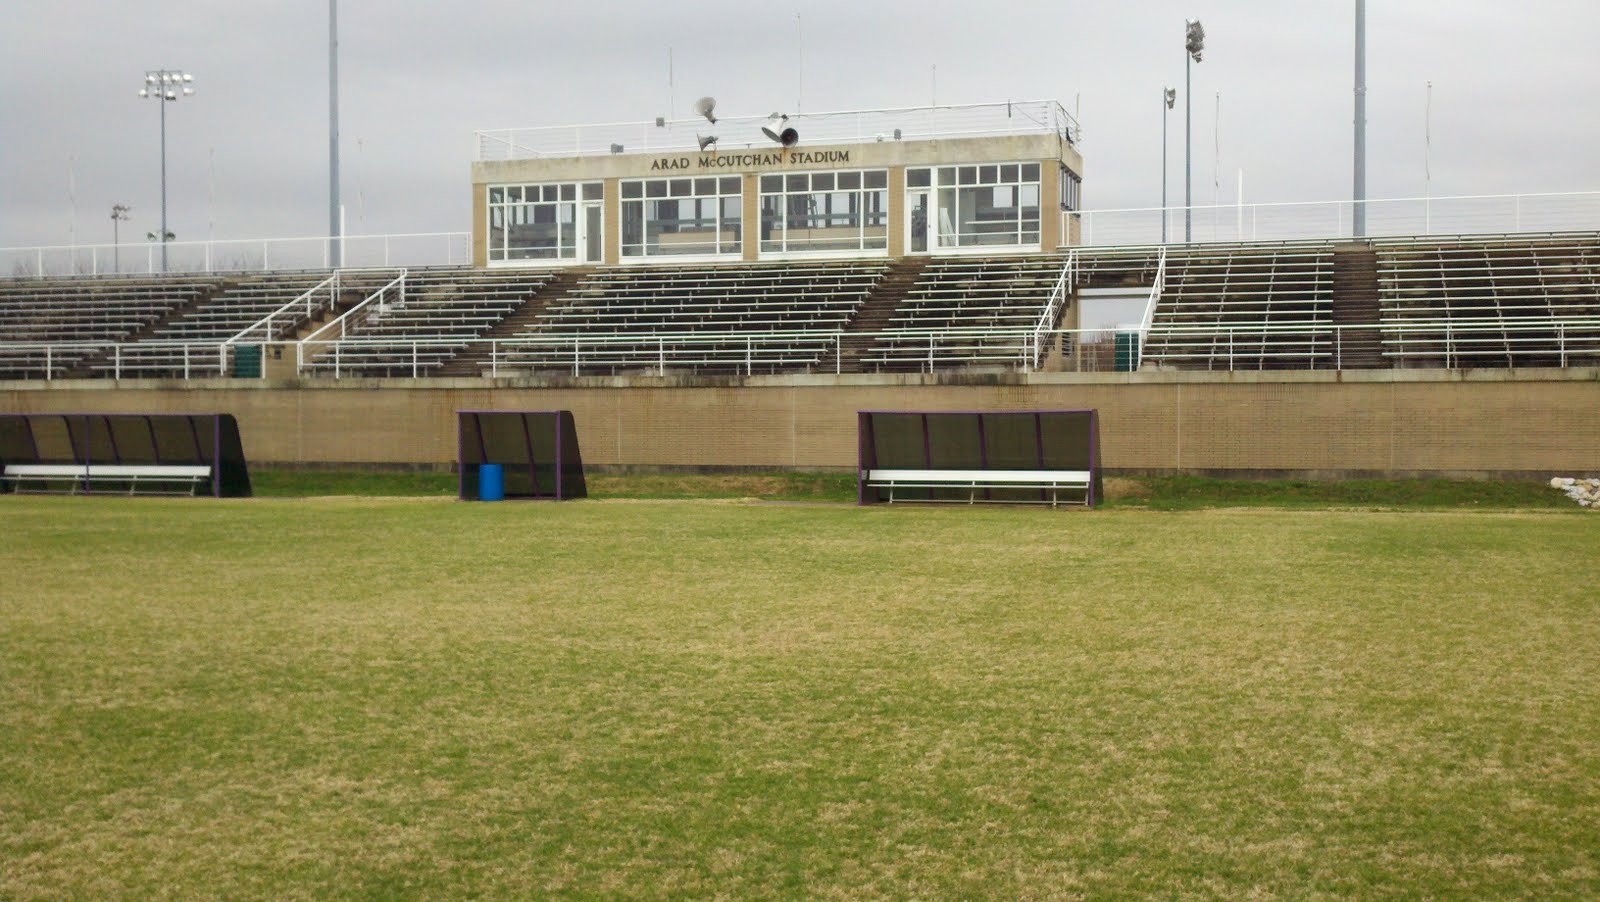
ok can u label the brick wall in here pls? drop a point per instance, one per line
(1382, 422)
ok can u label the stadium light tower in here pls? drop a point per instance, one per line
(1169, 97)
(335, 221)
(1194, 41)
(165, 86)
(119, 215)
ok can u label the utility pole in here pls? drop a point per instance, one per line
(1358, 219)
(1194, 41)
(335, 233)
(1169, 97)
(119, 215)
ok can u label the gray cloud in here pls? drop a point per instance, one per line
(1513, 110)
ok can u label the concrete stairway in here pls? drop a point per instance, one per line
(878, 309)
(475, 360)
(1355, 307)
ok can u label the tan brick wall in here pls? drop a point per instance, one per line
(1299, 422)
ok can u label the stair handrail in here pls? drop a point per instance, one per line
(331, 283)
(1065, 283)
(377, 296)
(1156, 289)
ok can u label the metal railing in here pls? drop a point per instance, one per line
(1156, 289)
(1386, 217)
(1400, 343)
(301, 309)
(246, 255)
(1053, 305)
(972, 120)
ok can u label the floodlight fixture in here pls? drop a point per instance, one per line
(705, 140)
(162, 78)
(1194, 38)
(1172, 97)
(616, 148)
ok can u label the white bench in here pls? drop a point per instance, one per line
(1051, 481)
(190, 477)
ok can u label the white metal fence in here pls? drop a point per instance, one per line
(1395, 217)
(1429, 344)
(1389, 217)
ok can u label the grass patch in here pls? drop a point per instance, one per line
(203, 698)
(1175, 493)
(1179, 493)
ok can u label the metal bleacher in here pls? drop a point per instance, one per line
(746, 317)
(968, 312)
(1501, 301)
(1238, 307)
(238, 305)
(49, 327)
(420, 329)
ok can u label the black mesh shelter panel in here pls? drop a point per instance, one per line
(537, 451)
(134, 439)
(978, 440)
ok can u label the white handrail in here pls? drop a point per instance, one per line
(1052, 307)
(375, 296)
(331, 283)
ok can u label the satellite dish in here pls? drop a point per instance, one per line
(778, 129)
(706, 141)
(705, 106)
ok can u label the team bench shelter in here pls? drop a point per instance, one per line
(1009, 456)
(123, 453)
(536, 449)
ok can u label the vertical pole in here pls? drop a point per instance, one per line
(334, 231)
(1163, 166)
(1188, 148)
(1359, 220)
(161, 101)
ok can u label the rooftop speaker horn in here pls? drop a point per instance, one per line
(706, 140)
(778, 129)
(706, 106)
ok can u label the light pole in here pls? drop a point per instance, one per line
(165, 86)
(1358, 219)
(1169, 96)
(1194, 41)
(335, 220)
(119, 215)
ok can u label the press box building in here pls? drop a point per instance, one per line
(983, 178)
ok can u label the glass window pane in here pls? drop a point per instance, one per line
(947, 176)
(1030, 172)
(969, 175)
(632, 189)
(657, 188)
(705, 186)
(681, 187)
(569, 192)
(822, 181)
(796, 182)
(879, 178)
(915, 178)
(849, 180)
(988, 175)
(732, 184)
(594, 191)
(772, 184)
(497, 195)
(1008, 172)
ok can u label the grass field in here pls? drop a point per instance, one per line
(412, 697)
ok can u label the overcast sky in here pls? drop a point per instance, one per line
(1515, 106)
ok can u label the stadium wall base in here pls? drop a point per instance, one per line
(1328, 425)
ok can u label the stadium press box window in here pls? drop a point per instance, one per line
(696, 217)
(825, 211)
(991, 205)
(561, 221)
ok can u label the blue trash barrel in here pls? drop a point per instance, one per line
(491, 482)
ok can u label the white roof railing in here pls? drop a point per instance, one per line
(974, 120)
